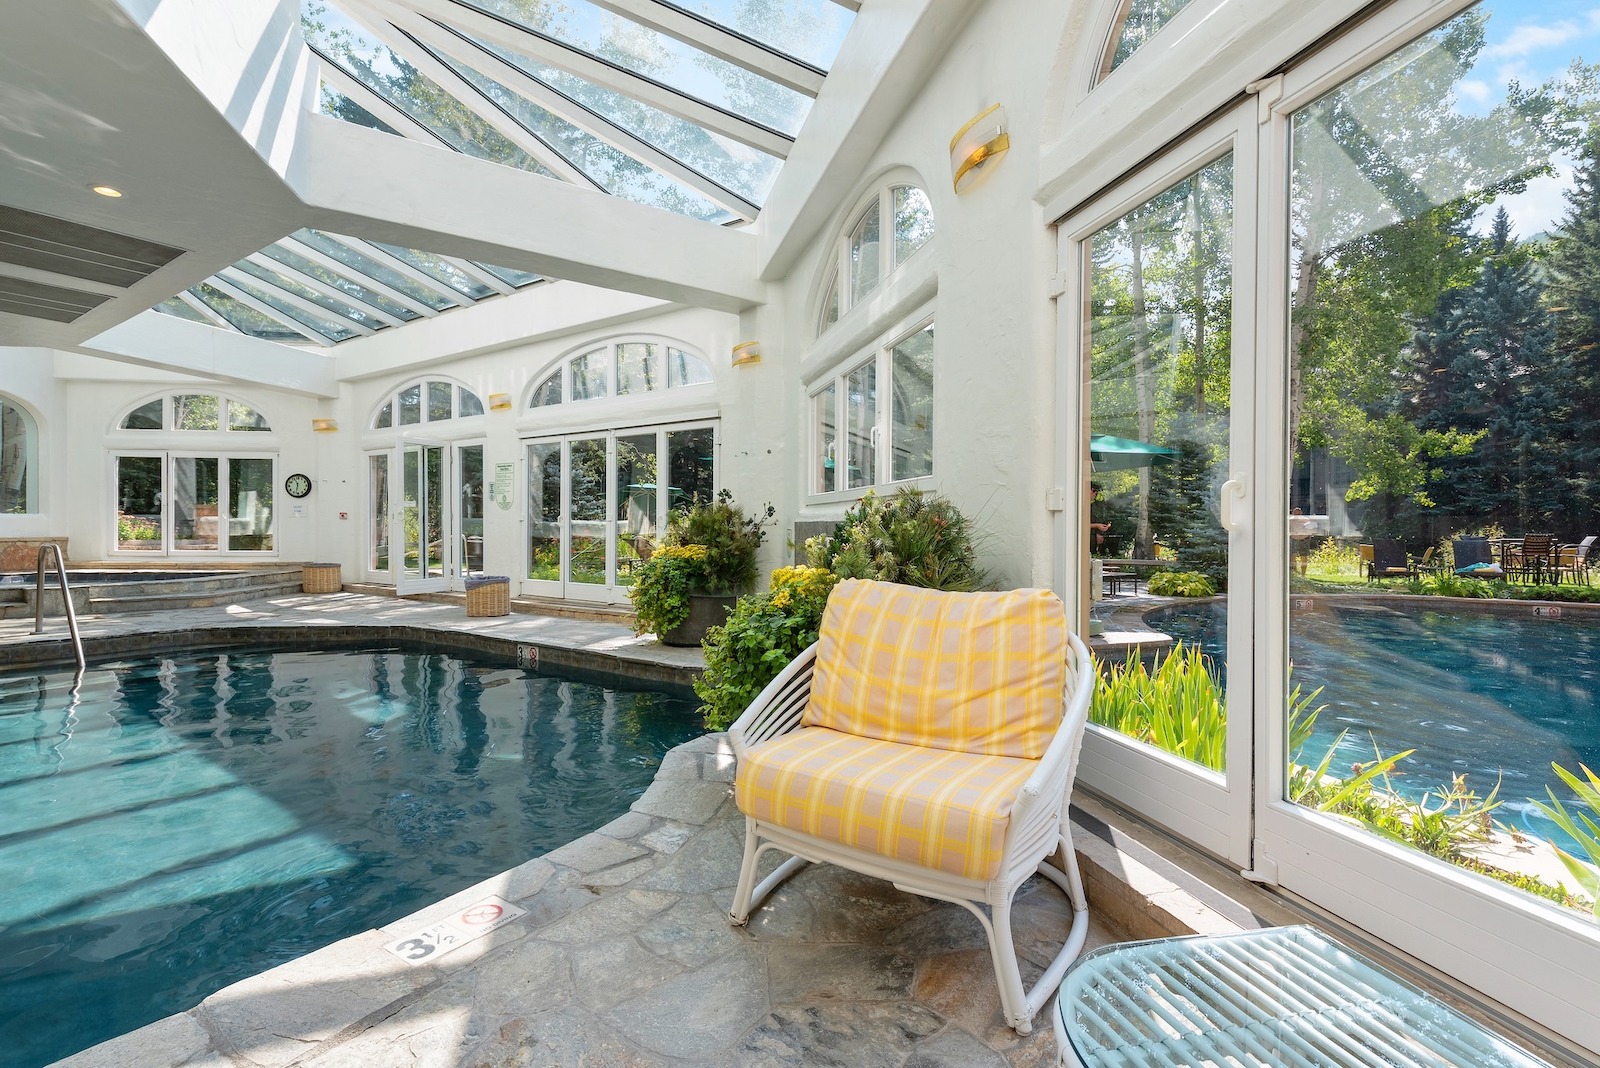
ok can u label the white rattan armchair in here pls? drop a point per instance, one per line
(1037, 833)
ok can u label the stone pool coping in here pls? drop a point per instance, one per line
(352, 619)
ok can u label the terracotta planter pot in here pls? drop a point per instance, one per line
(706, 610)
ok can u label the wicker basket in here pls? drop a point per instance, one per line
(489, 595)
(321, 578)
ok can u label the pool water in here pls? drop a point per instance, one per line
(1493, 697)
(185, 822)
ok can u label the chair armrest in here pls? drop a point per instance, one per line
(776, 709)
(1044, 795)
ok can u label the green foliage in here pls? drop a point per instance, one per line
(913, 538)
(765, 632)
(1331, 559)
(137, 528)
(1580, 825)
(731, 540)
(1457, 586)
(662, 585)
(1178, 708)
(1181, 584)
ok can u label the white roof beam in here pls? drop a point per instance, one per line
(558, 230)
(222, 285)
(433, 35)
(261, 259)
(849, 5)
(317, 256)
(377, 104)
(171, 343)
(718, 41)
(465, 93)
(206, 310)
(294, 300)
(479, 275)
(590, 68)
(393, 262)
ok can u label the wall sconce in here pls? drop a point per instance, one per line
(979, 142)
(746, 352)
(499, 402)
(324, 426)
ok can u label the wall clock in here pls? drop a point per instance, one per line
(297, 485)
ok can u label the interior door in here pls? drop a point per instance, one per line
(428, 549)
(470, 498)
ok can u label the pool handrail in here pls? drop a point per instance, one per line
(45, 551)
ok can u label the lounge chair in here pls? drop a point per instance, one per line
(930, 739)
(1388, 560)
(1474, 559)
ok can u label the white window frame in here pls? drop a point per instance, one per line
(836, 275)
(392, 398)
(610, 345)
(32, 450)
(168, 415)
(880, 353)
(201, 449)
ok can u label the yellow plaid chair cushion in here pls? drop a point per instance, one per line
(972, 672)
(931, 807)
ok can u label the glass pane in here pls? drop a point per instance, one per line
(250, 485)
(334, 103)
(244, 318)
(638, 368)
(139, 507)
(911, 403)
(243, 417)
(691, 467)
(547, 392)
(358, 289)
(663, 59)
(183, 310)
(830, 304)
(378, 510)
(636, 496)
(586, 561)
(144, 417)
(440, 396)
(195, 411)
(591, 375)
(362, 264)
(411, 405)
(865, 265)
(411, 501)
(809, 31)
(433, 509)
(470, 480)
(440, 268)
(1160, 301)
(385, 417)
(1442, 411)
(544, 511)
(194, 502)
(609, 167)
(19, 461)
(827, 438)
(467, 403)
(341, 308)
(1144, 18)
(913, 221)
(686, 369)
(510, 275)
(861, 418)
(326, 325)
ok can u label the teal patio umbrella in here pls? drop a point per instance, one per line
(1124, 454)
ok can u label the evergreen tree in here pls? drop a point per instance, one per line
(1573, 267)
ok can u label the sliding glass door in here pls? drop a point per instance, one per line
(171, 503)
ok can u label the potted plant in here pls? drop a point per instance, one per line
(707, 559)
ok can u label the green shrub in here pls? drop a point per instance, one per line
(662, 585)
(1331, 558)
(1181, 584)
(731, 539)
(765, 632)
(1178, 709)
(914, 538)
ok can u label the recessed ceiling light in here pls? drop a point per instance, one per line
(107, 190)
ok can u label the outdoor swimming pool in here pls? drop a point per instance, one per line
(1489, 695)
(188, 821)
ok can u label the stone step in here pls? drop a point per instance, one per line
(127, 603)
(587, 611)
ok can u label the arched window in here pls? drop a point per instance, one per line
(19, 460)
(1138, 21)
(195, 411)
(432, 400)
(882, 234)
(620, 368)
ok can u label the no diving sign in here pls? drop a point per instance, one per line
(470, 923)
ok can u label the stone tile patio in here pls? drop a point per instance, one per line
(625, 958)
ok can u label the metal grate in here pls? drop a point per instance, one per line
(1279, 998)
(40, 301)
(46, 243)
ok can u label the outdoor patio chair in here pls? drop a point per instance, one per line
(1573, 560)
(1388, 560)
(930, 739)
(1470, 554)
(1535, 562)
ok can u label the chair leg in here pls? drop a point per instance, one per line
(747, 876)
(1020, 1004)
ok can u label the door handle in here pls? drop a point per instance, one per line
(1235, 505)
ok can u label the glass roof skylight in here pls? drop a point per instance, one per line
(320, 288)
(690, 107)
